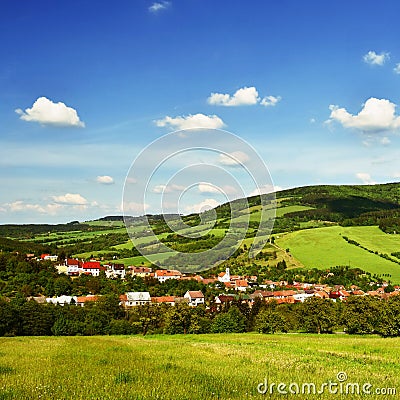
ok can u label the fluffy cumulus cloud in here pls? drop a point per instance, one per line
(205, 205)
(21, 206)
(365, 178)
(245, 96)
(159, 6)
(270, 101)
(191, 122)
(396, 69)
(46, 112)
(71, 199)
(233, 159)
(105, 180)
(242, 97)
(373, 58)
(376, 115)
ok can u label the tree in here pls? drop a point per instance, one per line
(389, 324)
(270, 320)
(361, 315)
(318, 315)
(178, 319)
(231, 321)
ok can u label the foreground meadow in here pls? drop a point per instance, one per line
(193, 367)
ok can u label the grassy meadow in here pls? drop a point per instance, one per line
(224, 366)
(325, 247)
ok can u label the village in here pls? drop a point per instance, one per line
(245, 289)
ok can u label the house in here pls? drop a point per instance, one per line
(62, 300)
(92, 268)
(82, 300)
(224, 276)
(224, 298)
(137, 299)
(300, 297)
(241, 285)
(262, 294)
(164, 300)
(74, 267)
(116, 271)
(163, 275)
(140, 271)
(195, 297)
(48, 257)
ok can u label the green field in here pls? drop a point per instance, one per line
(224, 366)
(325, 247)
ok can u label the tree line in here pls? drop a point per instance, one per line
(358, 315)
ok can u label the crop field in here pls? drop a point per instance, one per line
(196, 367)
(325, 247)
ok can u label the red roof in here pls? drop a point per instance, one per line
(241, 283)
(44, 255)
(196, 294)
(73, 261)
(163, 299)
(91, 265)
(163, 272)
(84, 299)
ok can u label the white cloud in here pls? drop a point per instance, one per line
(71, 199)
(385, 141)
(265, 189)
(131, 181)
(207, 204)
(396, 69)
(21, 206)
(205, 187)
(168, 188)
(158, 6)
(242, 97)
(235, 158)
(365, 178)
(373, 58)
(46, 112)
(105, 180)
(270, 101)
(246, 96)
(377, 115)
(191, 121)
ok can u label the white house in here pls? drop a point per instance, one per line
(61, 300)
(163, 275)
(137, 299)
(194, 297)
(116, 271)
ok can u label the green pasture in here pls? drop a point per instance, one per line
(202, 367)
(325, 247)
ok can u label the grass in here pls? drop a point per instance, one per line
(181, 367)
(325, 247)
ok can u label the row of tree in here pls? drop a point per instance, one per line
(359, 315)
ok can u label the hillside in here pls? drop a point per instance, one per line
(315, 227)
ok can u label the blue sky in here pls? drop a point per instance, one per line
(85, 86)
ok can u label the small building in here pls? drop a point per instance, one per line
(143, 272)
(74, 266)
(92, 268)
(62, 300)
(48, 257)
(164, 300)
(82, 300)
(137, 299)
(164, 274)
(116, 271)
(194, 297)
(241, 285)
